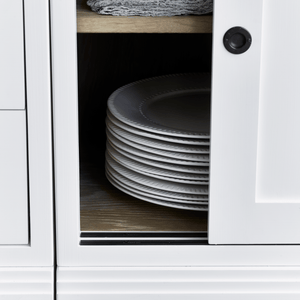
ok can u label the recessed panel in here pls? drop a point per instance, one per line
(12, 95)
(278, 156)
(13, 178)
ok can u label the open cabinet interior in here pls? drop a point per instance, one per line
(106, 62)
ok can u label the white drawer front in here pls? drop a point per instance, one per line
(13, 178)
(12, 95)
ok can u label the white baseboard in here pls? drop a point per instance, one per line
(27, 283)
(207, 283)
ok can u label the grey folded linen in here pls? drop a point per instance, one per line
(152, 8)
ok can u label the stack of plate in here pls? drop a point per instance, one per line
(158, 140)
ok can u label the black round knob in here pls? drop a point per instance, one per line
(237, 40)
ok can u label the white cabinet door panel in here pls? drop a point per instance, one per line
(12, 95)
(255, 144)
(13, 178)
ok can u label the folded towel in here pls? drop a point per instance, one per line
(152, 8)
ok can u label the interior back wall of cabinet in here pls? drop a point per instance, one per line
(109, 61)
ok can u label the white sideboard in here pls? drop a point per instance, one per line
(252, 249)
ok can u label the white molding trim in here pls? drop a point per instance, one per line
(208, 283)
(27, 283)
(39, 251)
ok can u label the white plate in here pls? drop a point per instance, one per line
(130, 163)
(171, 139)
(177, 105)
(148, 155)
(158, 183)
(163, 203)
(157, 197)
(169, 154)
(127, 164)
(154, 191)
(150, 142)
(158, 164)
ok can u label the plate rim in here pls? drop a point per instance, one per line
(160, 144)
(196, 202)
(156, 191)
(203, 157)
(158, 202)
(157, 176)
(181, 187)
(111, 151)
(156, 157)
(166, 166)
(166, 131)
(166, 138)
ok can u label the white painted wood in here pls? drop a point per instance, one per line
(278, 174)
(69, 253)
(40, 250)
(27, 283)
(14, 222)
(255, 127)
(65, 115)
(211, 283)
(188, 296)
(12, 91)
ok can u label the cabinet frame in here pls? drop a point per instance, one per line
(66, 160)
(40, 250)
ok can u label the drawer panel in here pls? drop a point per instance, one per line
(13, 178)
(12, 82)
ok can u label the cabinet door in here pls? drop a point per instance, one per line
(12, 94)
(255, 130)
(13, 178)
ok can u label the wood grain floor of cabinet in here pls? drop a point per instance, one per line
(27, 283)
(208, 283)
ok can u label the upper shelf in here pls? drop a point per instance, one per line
(91, 22)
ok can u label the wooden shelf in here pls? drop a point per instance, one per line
(105, 208)
(91, 22)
